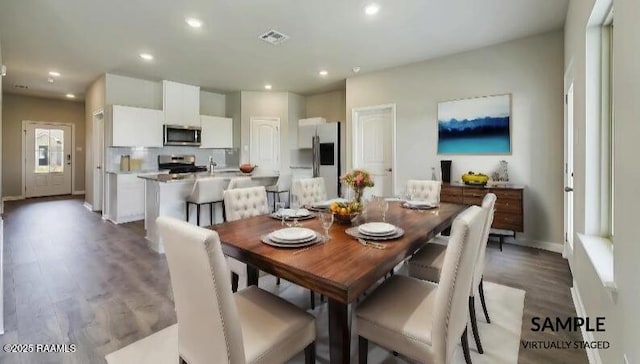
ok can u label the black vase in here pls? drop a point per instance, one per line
(445, 166)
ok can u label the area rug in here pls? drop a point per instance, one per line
(501, 338)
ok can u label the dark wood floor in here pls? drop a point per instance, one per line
(72, 278)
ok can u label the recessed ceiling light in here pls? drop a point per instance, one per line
(372, 9)
(323, 73)
(146, 56)
(54, 74)
(194, 23)
(70, 96)
(267, 86)
(356, 69)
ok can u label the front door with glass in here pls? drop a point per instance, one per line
(47, 162)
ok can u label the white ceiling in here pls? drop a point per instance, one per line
(82, 39)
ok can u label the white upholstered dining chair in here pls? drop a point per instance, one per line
(422, 320)
(217, 326)
(424, 190)
(427, 264)
(309, 190)
(242, 203)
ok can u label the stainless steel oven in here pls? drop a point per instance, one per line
(182, 135)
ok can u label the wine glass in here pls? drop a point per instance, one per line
(295, 206)
(280, 210)
(384, 206)
(326, 218)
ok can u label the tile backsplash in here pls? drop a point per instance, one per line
(149, 156)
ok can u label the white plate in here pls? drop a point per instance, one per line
(327, 203)
(353, 231)
(265, 239)
(377, 228)
(292, 234)
(419, 204)
(294, 213)
(292, 242)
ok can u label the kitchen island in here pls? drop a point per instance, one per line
(166, 195)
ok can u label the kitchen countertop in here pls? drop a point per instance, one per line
(191, 177)
(139, 171)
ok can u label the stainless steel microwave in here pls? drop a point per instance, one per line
(182, 135)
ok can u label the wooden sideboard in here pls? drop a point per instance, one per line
(508, 215)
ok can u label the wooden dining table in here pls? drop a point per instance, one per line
(341, 268)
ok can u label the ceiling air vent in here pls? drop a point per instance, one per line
(24, 87)
(274, 37)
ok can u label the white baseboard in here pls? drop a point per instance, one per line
(77, 193)
(88, 206)
(12, 198)
(537, 244)
(592, 353)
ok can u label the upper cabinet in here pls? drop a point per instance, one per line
(181, 104)
(127, 126)
(307, 130)
(217, 132)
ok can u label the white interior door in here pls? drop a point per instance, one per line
(98, 158)
(265, 143)
(568, 172)
(47, 162)
(374, 134)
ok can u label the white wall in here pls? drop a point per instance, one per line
(233, 110)
(212, 104)
(94, 101)
(531, 70)
(129, 91)
(623, 320)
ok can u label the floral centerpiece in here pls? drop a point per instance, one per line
(346, 212)
(358, 180)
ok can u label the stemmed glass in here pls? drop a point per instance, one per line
(295, 206)
(280, 210)
(326, 218)
(384, 206)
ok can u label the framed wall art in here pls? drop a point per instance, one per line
(479, 125)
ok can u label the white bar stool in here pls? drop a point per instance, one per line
(283, 185)
(207, 191)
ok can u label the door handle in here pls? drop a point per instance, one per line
(568, 189)
(389, 169)
(98, 167)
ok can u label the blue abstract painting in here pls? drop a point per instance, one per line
(480, 125)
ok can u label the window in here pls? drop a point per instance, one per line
(49, 150)
(607, 123)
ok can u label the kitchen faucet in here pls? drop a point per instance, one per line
(212, 165)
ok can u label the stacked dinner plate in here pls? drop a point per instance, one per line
(377, 229)
(291, 213)
(421, 205)
(292, 237)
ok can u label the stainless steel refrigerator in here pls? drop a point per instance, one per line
(326, 156)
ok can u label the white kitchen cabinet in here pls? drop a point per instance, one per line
(133, 127)
(125, 197)
(181, 104)
(217, 132)
(305, 136)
